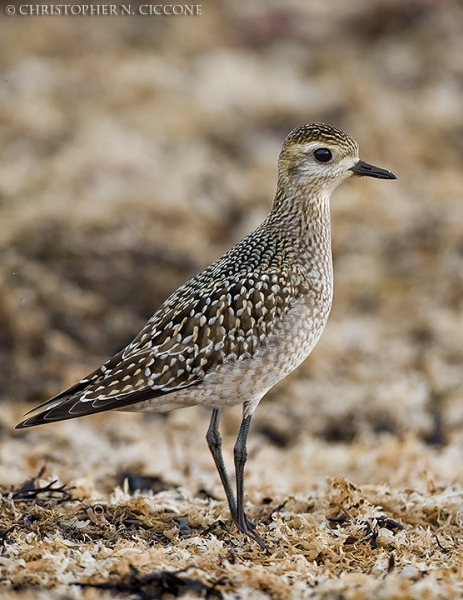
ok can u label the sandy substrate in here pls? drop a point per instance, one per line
(134, 151)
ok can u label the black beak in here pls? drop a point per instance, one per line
(363, 169)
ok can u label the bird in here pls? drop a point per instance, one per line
(237, 328)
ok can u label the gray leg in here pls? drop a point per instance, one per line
(214, 442)
(241, 454)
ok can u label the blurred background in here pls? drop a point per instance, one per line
(136, 150)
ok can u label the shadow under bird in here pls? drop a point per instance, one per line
(240, 326)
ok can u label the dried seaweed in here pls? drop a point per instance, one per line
(138, 481)
(30, 490)
(155, 586)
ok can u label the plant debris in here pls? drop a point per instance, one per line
(155, 586)
(31, 490)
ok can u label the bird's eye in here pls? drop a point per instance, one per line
(323, 154)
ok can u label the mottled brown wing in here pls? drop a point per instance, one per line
(194, 332)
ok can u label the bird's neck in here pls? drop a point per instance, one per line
(304, 217)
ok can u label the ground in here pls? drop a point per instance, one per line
(134, 151)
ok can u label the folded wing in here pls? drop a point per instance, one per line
(201, 327)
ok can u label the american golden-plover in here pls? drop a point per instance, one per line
(237, 328)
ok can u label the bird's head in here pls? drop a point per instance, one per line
(322, 156)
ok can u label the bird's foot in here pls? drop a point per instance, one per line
(247, 527)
